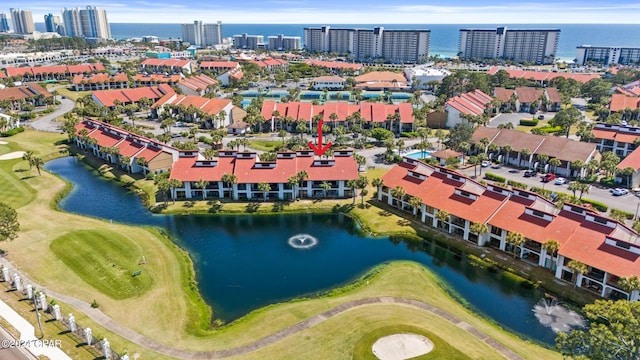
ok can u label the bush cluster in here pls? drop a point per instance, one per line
(494, 177)
(12, 132)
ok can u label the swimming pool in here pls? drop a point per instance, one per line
(418, 155)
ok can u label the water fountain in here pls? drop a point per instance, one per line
(555, 316)
(302, 241)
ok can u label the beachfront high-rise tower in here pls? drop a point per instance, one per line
(536, 46)
(200, 34)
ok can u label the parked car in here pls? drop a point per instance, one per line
(496, 166)
(548, 177)
(619, 192)
(540, 117)
(561, 181)
(485, 163)
(530, 173)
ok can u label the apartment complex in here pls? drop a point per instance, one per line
(453, 202)
(393, 46)
(90, 22)
(283, 43)
(200, 34)
(606, 55)
(4, 23)
(537, 46)
(248, 42)
(22, 21)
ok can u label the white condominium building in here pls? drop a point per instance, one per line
(4, 23)
(22, 21)
(395, 46)
(90, 22)
(283, 43)
(605, 55)
(522, 45)
(200, 34)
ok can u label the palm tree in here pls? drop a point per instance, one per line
(174, 184)
(485, 143)
(125, 161)
(507, 150)
(515, 239)
(555, 162)
(202, 184)
(629, 284)
(301, 176)
(479, 228)
(377, 183)
(552, 247)
(28, 155)
(142, 162)
(443, 217)
(37, 162)
(229, 180)
(353, 184)
(362, 184)
(573, 187)
(293, 182)
(628, 173)
(415, 203)
(578, 268)
(265, 187)
(523, 153)
(209, 154)
(163, 187)
(326, 186)
(398, 193)
(283, 134)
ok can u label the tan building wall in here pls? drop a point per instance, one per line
(437, 120)
(161, 162)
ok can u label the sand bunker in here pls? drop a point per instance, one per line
(401, 346)
(12, 155)
(3, 142)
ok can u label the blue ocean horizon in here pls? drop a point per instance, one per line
(443, 40)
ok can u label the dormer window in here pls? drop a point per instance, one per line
(466, 194)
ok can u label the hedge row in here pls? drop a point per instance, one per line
(494, 177)
(626, 215)
(596, 204)
(540, 191)
(549, 129)
(12, 132)
(528, 122)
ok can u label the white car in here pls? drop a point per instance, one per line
(619, 192)
(485, 163)
(561, 181)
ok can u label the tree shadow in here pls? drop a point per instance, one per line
(216, 206)
(343, 208)
(189, 204)
(279, 206)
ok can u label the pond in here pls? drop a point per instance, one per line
(246, 262)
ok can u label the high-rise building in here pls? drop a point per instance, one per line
(283, 43)
(90, 22)
(537, 46)
(200, 34)
(22, 21)
(249, 42)
(51, 22)
(605, 55)
(4, 23)
(396, 46)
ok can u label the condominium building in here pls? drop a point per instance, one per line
(522, 45)
(605, 55)
(283, 43)
(4, 23)
(395, 46)
(90, 22)
(200, 34)
(22, 21)
(52, 24)
(246, 41)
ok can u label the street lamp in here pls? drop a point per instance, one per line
(36, 303)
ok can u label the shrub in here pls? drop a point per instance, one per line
(540, 191)
(550, 129)
(528, 122)
(608, 182)
(149, 176)
(409, 134)
(12, 132)
(596, 204)
(517, 185)
(615, 213)
(494, 177)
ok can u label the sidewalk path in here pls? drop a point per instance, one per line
(102, 319)
(27, 334)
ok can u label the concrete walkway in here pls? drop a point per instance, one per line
(104, 320)
(27, 335)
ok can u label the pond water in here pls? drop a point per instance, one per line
(245, 262)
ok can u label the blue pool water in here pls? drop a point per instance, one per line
(418, 155)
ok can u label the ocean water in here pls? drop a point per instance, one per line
(443, 41)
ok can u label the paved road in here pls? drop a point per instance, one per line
(514, 118)
(12, 353)
(628, 203)
(47, 123)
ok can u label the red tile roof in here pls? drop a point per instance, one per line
(108, 97)
(376, 76)
(100, 78)
(503, 94)
(615, 135)
(471, 103)
(620, 102)
(328, 79)
(544, 76)
(632, 160)
(553, 95)
(165, 62)
(157, 78)
(219, 64)
(129, 148)
(23, 92)
(334, 64)
(55, 69)
(209, 106)
(528, 94)
(375, 112)
(198, 82)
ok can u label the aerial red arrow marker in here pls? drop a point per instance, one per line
(319, 149)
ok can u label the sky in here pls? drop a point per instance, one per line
(352, 11)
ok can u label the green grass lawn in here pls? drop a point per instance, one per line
(105, 260)
(441, 349)
(73, 95)
(264, 145)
